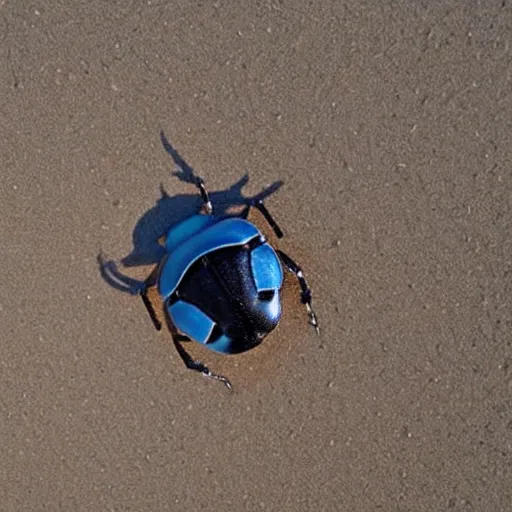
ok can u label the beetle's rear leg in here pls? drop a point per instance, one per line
(207, 204)
(143, 292)
(305, 295)
(258, 203)
(192, 364)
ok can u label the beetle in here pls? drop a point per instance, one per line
(220, 282)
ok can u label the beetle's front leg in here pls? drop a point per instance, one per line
(192, 364)
(305, 295)
(258, 204)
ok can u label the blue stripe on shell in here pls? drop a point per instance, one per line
(188, 228)
(266, 268)
(225, 233)
(190, 320)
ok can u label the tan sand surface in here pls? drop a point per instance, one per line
(389, 124)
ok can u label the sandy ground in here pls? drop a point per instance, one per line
(389, 125)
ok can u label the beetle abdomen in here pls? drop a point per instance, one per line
(223, 286)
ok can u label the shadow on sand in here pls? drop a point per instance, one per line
(167, 212)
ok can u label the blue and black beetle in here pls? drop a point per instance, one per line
(220, 283)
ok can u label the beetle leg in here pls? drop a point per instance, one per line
(143, 292)
(258, 203)
(151, 309)
(305, 295)
(192, 364)
(207, 204)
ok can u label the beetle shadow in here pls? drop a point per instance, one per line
(166, 213)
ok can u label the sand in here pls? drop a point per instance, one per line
(388, 124)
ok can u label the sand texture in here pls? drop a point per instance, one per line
(379, 133)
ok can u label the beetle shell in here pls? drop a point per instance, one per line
(220, 282)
